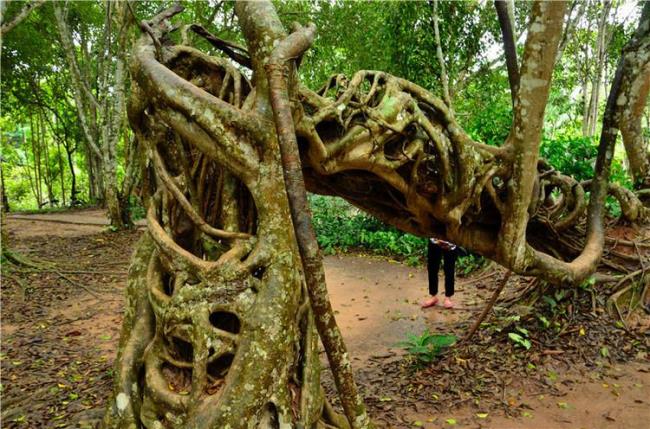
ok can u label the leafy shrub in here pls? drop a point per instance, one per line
(470, 263)
(571, 154)
(340, 227)
(425, 347)
(136, 208)
(521, 338)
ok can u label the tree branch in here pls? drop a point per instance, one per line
(509, 47)
(215, 117)
(185, 204)
(229, 48)
(80, 90)
(6, 27)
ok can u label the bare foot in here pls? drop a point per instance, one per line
(448, 303)
(430, 302)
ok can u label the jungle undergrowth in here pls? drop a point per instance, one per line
(342, 228)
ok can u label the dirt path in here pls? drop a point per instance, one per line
(58, 340)
(377, 303)
(78, 222)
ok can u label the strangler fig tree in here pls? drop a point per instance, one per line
(226, 299)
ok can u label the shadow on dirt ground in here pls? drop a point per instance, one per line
(61, 322)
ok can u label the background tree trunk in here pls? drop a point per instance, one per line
(600, 60)
(102, 115)
(633, 102)
(36, 152)
(48, 178)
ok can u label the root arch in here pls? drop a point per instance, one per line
(222, 328)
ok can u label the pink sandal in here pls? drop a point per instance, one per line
(448, 304)
(430, 302)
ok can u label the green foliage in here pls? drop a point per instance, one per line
(470, 263)
(427, 346)
(575, 155)
(396, 37)
(136, 209)
(486, 112)
(571, 154)
(520, 338)
(341, 227)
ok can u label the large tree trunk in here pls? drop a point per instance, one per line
(224, 307)
(220, 323)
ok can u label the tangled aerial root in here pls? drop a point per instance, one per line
(222, 327)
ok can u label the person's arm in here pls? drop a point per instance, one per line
(444, 245)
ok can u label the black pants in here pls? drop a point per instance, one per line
(434, 256)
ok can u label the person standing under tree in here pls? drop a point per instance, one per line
(437, 250)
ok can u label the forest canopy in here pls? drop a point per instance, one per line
(48, 161)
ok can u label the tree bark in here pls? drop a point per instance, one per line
(36, 153)
(525, 136)
(633, 101)
(5, 199)
(279, 70)
(59, 158)
(48, 178)
(586, 62)
(571, 25)
(444, 78)
(245, 343)
(73, 176)
(509, 46)
(600, 60)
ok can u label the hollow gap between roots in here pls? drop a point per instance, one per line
(258, 274)
(270, 419)
(329, 130)
(183, 350)
(168, 284)
(225, 321)
(178, 380)
(219, 367)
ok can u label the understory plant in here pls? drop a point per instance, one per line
(342, 227)
(424, 348)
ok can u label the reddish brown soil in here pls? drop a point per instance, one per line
(60, 326)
